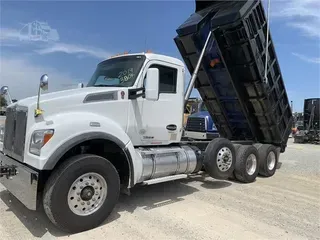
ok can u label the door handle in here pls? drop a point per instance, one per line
(171, 127)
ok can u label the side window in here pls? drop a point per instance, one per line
(168, 79)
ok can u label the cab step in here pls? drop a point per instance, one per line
(165, 179)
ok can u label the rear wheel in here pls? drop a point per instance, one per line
(236, 148)
(81, 193)
(247, 164)
(268, 160)
(219, 158)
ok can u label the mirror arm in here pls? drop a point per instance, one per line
(38, 100)
(38, 111)
(9, 97)
(133, 93)
(43, 84)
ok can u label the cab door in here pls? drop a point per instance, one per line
(162, 119)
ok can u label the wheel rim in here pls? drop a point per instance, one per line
(251, 164)
(271, 160)
(224, 159)
(87, 194)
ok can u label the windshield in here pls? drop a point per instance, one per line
(117, 72)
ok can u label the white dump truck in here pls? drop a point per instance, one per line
(74, 151)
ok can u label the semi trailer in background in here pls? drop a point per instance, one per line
(309, 128)
(75, 150)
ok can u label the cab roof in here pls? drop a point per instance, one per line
(154, 56)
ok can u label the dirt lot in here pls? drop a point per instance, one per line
(286, 206)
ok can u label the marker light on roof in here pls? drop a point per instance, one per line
(119, 54)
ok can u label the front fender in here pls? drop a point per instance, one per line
(70, 129)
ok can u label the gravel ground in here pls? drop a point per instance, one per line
(286, 206)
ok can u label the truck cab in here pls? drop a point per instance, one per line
(113, 101)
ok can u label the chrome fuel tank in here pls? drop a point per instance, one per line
(166, 161)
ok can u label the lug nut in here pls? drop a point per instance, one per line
(97, 193)
(78, 193)
(82, 203)
(81, 187)
(93, 199)
(96, 187)
(78, 199)
(88, 203)
(87, 183)
(92, 184)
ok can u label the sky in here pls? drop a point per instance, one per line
(87, 32)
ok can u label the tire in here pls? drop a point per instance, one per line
(214, 165)
(247, 164)
(101, 174)
(266, 151)
(236, 148)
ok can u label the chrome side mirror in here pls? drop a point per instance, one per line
(44, 81)
(4, 90)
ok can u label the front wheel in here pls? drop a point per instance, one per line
(81, 193)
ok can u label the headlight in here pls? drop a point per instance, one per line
(38, 139)
(1, 133)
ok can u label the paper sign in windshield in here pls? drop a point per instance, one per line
(126, 75)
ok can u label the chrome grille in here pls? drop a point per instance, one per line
(196, 124)
(15, 132)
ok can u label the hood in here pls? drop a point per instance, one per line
(77, 93)
(205, 114)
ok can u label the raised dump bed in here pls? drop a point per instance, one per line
(231, 76)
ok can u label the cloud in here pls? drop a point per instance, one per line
(8, 33)
(11, 37)
(307, 59)
(74, 49)
(300, 14)
(22, 77)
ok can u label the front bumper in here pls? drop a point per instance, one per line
(200, 135)
(23, 185)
